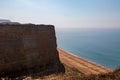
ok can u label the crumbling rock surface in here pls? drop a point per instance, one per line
(28, 48)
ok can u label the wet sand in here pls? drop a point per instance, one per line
(83, 65)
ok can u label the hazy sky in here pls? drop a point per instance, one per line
(63, 13)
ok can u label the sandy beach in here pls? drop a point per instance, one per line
(83, 65)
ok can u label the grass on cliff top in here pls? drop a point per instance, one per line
(74, 74)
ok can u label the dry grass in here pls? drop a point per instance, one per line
(73, 74)
(70, 74)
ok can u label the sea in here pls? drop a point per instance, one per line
(101, 46)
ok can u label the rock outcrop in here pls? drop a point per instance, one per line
(28, 48)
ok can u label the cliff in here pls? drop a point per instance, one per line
(28, 48)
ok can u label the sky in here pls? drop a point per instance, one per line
(63, 13)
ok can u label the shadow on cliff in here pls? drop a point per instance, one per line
(35, 72)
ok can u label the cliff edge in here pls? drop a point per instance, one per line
(27, 48)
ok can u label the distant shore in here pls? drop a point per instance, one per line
(83, 65)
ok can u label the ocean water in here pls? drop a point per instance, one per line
(101, 46)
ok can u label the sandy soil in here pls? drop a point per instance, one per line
(86, 67)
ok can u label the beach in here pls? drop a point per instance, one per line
(83, 65)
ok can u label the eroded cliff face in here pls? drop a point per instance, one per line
(28, 48)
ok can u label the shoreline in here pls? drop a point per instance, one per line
(92, 62)
(85, 66)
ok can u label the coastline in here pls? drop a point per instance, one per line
(85, 66)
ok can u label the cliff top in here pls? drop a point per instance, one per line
(17, 24)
